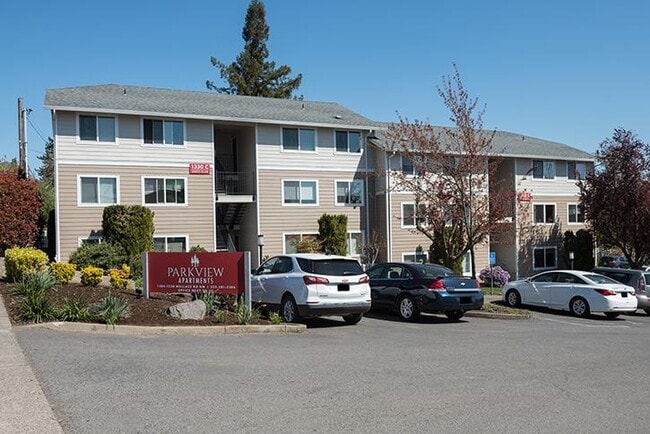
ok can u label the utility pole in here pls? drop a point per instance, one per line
(22, 144)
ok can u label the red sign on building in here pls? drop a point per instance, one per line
(525, 196)
(199, 168)
(195, 272)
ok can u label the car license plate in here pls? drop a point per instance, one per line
(623, 294)
(465, 300)
(344, 286)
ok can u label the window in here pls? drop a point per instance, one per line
(291, 241)
(298, 139)
(576, 169)
(543, 169)
(349, 193)
(575, 214)
(97, 128)
(544, 257)
(409, 216)
(164, 190)
(95, 237)
(420, 257)
(300, 192)
(544, 213)
(170, 244)
(97, 190)
(348, 141)
(162, 132)
(355, 242)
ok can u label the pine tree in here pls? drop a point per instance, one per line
(251, 73)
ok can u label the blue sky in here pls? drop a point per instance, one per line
(567, 71)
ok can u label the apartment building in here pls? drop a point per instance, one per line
(220, 170)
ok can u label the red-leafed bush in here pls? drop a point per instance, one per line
(20, 205)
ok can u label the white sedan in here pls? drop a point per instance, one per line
(579, 292)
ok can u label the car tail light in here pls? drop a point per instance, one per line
(641, 286)
(314, 280)
(364, 279)
(437, 285)
(603, 291)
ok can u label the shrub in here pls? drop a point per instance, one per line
(275, 318)
(36, 281)
(20, 205)
(220, 316)
(212, 301)
(111, 309)
(73, 310)
(198, 248)
(333, 234)
(119, 277)
(21, 261)
(129, 226)
(36, 307)
(246, 315)
(495, 274)
(62, 271)
(91, 276)
(102, 255)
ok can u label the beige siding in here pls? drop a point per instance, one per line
(404, 240)
(272, 156)
(277, 219)
(195, 220)
(129, 147)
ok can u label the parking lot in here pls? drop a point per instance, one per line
(551, 373)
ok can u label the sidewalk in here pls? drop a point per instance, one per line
(23, 406)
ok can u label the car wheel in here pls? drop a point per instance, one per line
(455, 315)
(579, 307)
(513, 298)
(612, 315)
(288, 309)
(407, 309)
(353, 318)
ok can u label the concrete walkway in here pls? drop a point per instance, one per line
(23, 406)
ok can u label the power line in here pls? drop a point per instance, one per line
(35, 129)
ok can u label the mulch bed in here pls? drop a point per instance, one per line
(144, 311)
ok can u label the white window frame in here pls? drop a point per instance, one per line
(299, 144)
(165, 178)
(578, 213)
(167, 237)
(300, 181)
(80, 203)
(349, 185)
(299, 234)
(361, 242)
(545, 248)
(581, 174)
(545, 205)
(163, 144)
(545, 176)
(93, 238)
(336, 149)
(415, 256)
(415, 216)
(97, 141)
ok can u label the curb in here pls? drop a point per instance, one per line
(496, 315)
(127, 330)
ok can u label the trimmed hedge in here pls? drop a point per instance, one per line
(21, 261)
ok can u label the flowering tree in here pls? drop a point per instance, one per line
(615, 196)
(20, 206)
(459, 200)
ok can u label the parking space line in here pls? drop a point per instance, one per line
(586, 325)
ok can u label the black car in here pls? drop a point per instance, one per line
(411, 288)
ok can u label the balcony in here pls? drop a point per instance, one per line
(234, 187)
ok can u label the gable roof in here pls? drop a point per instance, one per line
(120, 99)
(511, 145)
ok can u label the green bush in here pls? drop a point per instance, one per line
(21, 261)
(129, 226)
(111, 309)
(101, 255)
(73, 310)
(36, 281)
(62, 271)
(91, 276)
(212, 301)
(333, 234)
(275, 318)
(33, 289)
(198, 248)
(246, 315)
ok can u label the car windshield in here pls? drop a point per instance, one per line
(330, 267)
(434, 270)
(599, 278)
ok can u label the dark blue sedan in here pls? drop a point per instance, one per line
(412, 288)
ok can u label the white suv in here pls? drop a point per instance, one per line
(309, 285)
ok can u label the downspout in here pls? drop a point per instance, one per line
(57, 207)
(516, 217)
(367, 196)
(257, 193)
(388, 220)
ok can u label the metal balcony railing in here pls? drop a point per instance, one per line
(234, 183)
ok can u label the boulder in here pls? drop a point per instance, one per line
(191, 310)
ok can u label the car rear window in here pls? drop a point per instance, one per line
(599, 278)
(330, 267)
(434, 270)
(617, 275)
